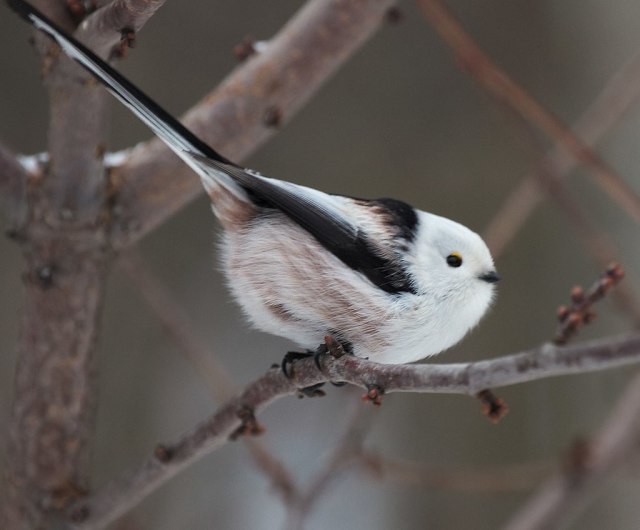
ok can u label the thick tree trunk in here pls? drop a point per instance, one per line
(54, 396)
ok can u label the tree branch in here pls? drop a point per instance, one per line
(562, 497)
(117, 497)
(109, 25)
(64, 239)
(153, 184)
(497, 83)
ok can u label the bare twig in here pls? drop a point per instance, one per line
(153, 183)
(598, 243)
(112, 25)
(13, 184)
(497, 83)
(120, 495)
(562, 497)
(620, 93)
(579, 313)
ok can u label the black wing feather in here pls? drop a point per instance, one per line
(347, 242)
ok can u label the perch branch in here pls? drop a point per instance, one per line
(497, 83)
(562, 496)
(117, 497)
(153, 184)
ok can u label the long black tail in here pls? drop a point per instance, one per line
(169, 129)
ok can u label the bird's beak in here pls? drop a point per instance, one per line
(490, 277)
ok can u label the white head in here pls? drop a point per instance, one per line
(451, 260)
(452, 266)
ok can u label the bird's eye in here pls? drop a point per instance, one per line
(454, 259)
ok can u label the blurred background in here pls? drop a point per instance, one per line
(400, 119)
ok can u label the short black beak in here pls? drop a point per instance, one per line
(490, 277)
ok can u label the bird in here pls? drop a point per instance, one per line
(391, 283)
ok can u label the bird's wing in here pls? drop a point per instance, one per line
(327, 218)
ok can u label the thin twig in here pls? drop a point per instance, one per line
(114, 24)
(580, 312)
(562, 497)
(497, 83)
(122, 494)
(597, 242)
(153, 184)
(622, 90)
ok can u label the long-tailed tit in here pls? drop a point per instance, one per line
(395, 283)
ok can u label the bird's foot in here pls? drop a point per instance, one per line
(287, 369)
(291, 357)
(330, 346)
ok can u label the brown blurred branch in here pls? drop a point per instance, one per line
(563, 496)
(120, 495)
(13, 183)
(114, 23)
(622, 90)
(153, 184)
(497, 83)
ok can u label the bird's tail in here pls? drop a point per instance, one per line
(227, 195)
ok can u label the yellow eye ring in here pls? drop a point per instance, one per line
(454, 259)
